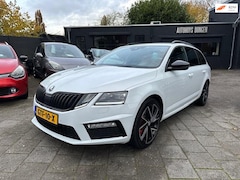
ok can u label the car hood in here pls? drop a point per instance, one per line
(90, 79)
(8, 65)
(68, 63)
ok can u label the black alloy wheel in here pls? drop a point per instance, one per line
(146, 124)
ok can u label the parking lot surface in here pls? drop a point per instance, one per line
(197, 143)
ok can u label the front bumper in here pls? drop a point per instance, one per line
(7, 84)
(73, 126)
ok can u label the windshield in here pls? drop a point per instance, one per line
(144, 56)
(6, 53)
(63, 50)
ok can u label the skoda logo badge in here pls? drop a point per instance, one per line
(51, 88)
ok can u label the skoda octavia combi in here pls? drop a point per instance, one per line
(124, 96)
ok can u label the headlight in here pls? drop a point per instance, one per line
(84, 100)
(19, 72)
(112, 98)
(55, 65)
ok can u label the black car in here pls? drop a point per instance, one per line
(51, 57)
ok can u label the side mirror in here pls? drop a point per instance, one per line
(178, 65)
(39, 55)
(89, 57)
(23, 58)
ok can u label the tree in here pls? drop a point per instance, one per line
(104, 20)
(114, 18)
(13, 22)
(198, 10)
(39, 24)
(166, 11)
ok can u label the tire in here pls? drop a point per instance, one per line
(146, 124)
(204, 95)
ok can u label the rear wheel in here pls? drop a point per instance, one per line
(146, 124)
(204, 96)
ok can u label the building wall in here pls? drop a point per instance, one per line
(214, 39)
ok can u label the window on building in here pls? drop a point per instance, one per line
(81, 43)
(210, 48)
(109, 41)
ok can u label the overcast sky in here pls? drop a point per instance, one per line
(63, 13)
(58, 14)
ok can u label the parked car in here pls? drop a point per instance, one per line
(95, 54)
(13, 76)
(51, 57)
(124, 96)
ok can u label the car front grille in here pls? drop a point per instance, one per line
(60, 100)
(64, 130)
(4, 91)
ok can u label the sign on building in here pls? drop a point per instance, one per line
(226, 8)
(192, 30)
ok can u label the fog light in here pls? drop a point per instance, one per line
(13, 90)
(101, 125)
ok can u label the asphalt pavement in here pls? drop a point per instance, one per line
(197, 143)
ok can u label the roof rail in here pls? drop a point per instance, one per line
(179, 41)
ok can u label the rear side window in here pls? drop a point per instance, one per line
(39, 49)
(201, 58)
(192, 56)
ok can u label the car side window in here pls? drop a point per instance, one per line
(41, 50)
(192, 56)
(177, 54)
(38, 49)
(201, 58)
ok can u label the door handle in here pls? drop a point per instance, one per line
(190, 75)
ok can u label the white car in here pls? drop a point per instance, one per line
(124, 96)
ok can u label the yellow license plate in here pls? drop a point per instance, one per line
(46, 115)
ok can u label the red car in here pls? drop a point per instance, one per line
(13, 76)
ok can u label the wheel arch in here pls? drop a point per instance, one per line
(133, 139)
(158, 98)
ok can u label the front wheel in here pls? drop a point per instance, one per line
(204, 96)
(146, 124)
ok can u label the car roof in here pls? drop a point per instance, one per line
(56, 43)
(174, 43)
(178, 42)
